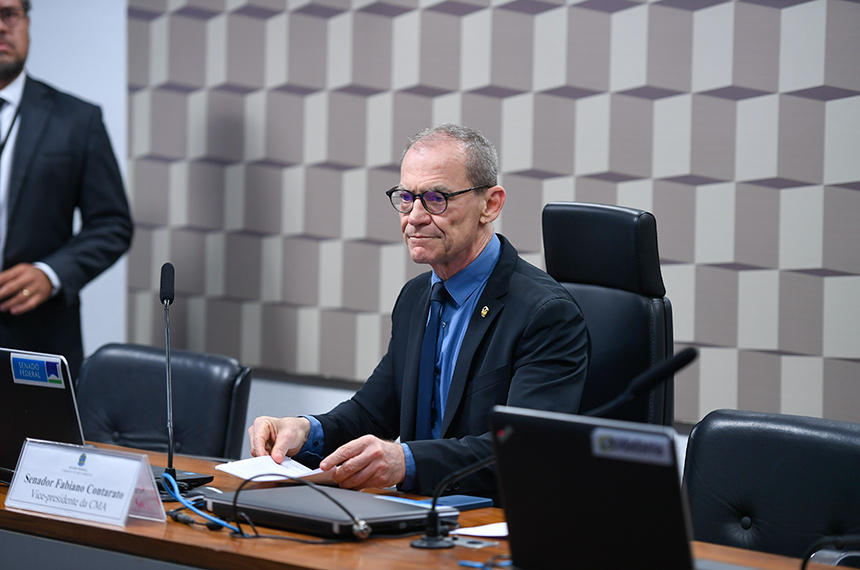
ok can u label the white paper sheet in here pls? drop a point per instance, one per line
(495, 530)
(264, 468)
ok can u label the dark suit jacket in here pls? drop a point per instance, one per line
(63, 161)
(530, 351)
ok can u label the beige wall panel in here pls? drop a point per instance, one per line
(264, 133)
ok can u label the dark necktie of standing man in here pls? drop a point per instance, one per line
(427, 366)
(4, 199)
(3, 141)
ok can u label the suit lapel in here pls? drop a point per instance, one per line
(487, 310)
(35, 110)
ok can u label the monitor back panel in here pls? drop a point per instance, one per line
(597, 493)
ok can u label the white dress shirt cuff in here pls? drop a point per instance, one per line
(55, 280)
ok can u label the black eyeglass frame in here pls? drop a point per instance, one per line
(14, 14)
(420, 196)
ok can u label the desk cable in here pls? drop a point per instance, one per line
(170, 485)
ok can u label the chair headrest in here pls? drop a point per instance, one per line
(599, 244)
(146, 364)
(772, 482)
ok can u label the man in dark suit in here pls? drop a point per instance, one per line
(56, 158)
(510, 335)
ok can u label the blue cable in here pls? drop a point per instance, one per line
(173, 490)
(472, 564)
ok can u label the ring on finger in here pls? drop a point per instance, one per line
(25, 292)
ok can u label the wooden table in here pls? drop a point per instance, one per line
(175, 545)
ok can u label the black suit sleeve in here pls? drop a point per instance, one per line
(106, 228)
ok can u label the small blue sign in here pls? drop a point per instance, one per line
(27, 369)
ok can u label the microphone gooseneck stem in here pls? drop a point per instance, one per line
(647, 380)
(433, 537)
(467, 470)
(169, 388)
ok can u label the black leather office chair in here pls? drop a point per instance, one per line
(122, 397)
(606, 256)
(772, 482)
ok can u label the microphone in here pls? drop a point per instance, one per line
(432, 538)
(166, 297)
(647, 380)
(185, 480)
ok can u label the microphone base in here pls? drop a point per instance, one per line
(433, 542)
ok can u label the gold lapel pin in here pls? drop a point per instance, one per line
(484, 311)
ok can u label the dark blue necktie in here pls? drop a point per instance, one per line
(427, 367)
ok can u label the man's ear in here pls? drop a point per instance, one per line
(494, 199)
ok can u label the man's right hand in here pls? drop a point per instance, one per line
(278, 437)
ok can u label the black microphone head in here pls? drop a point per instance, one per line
(662, 371)
(166, 295)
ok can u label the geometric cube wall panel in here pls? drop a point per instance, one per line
(264, 133)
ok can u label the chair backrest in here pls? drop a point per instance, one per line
(122, 398)
(772, 482)
(606, 256)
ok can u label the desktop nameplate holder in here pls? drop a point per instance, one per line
(84, 483)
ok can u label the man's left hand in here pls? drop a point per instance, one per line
(23, 288)
(366, 462)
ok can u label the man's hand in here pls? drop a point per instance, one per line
(366, 462)
(23, 288)
(278, 437)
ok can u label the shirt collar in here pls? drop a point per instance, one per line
(13, 92)
(461, 285)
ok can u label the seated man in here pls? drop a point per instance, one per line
(509, 335)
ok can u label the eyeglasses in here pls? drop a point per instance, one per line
(434, 201)
(12, 16)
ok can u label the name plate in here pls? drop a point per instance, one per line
(85, 483)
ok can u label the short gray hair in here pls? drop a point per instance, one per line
(482, 161)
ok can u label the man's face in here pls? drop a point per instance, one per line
(451, 240)
(14, 43)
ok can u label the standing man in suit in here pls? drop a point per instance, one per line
(509, 334)
(55, 158)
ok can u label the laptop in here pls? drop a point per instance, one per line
(38, 402)
(312, 510)
(598, 493)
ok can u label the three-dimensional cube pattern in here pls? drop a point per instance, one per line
(264, 132)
